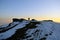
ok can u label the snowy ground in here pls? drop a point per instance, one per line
(46, 30)
(10, 32)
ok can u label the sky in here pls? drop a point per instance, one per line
(39, 9)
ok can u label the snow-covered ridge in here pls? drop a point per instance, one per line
(44, 31)
(31, 30)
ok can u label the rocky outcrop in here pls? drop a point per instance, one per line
(18, 20)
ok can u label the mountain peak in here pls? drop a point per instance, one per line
(22, 29)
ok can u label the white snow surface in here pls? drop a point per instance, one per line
(43, 29)
(10, 32)
(5, 25)
(36, 33)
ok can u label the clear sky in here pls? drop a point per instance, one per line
(30, 8)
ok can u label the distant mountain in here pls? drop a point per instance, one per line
(21, 29)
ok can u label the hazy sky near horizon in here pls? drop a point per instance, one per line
(29, 8)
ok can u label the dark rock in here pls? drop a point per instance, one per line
(18, 20)
(46, 34)
(43, 38)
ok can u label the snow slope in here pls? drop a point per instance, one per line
(10, 32)
(2, 26)
(45, 30)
